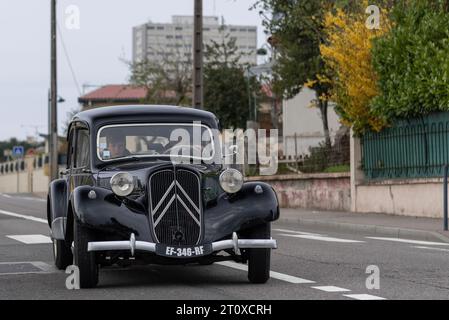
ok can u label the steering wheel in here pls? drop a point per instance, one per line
(190, 146)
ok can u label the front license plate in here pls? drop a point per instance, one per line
(183, 251)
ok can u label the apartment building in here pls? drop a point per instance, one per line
(162, 41)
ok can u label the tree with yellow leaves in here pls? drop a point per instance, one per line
(347, 53)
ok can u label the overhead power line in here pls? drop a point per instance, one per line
(69, 62)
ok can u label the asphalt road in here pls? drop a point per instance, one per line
(309, 264)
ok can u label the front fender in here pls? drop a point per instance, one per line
(57, 208)
(103, 211)
(254, 204)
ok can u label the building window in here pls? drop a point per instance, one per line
(150, 28)
(160, 28)
(169, 37)
(178, 37)
(243, 30)
(178, 28)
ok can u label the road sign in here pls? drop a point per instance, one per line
(18, 151)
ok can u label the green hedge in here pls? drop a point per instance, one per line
(413, 62)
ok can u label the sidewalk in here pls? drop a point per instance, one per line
(429, 229)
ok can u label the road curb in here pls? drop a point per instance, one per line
(393, 232)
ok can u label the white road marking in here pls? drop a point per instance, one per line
(331, 289)
(429, 243)
(44, 268)
(23, 198)
(429, 248)
(297, 232)
(363, 297)
(320, 238)
(273, 274)
(22, 216)
(31, 238)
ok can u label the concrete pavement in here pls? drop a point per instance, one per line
(370, 223)
(309, 264)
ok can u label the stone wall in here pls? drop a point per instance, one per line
(406, 197)
(417, 197)
(324, 191)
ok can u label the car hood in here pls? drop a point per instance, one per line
(142, 170)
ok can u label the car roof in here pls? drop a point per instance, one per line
(144, 113)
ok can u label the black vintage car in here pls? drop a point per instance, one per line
(126, 199)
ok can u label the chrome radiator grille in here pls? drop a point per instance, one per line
(175, 206)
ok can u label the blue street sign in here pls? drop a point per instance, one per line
(18, 151)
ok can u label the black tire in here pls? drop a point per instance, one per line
(62, 253)
(259, 259)
(84, 260)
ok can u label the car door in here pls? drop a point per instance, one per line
(70, 161)
(81, 173)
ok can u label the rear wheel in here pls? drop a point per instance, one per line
(259, 259)
(84, 260)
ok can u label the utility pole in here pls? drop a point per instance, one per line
(198, 55)
(53, 138)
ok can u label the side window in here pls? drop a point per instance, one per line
(71, 149)
(82, 149)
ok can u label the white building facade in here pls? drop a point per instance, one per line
(161, 41)
(302, 124)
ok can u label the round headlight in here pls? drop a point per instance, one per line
(122, 184)
(231, 180)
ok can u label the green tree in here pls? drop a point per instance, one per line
(297, 29)
(412, 61)
(168, 79)
(225, 84)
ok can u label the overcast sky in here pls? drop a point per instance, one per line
(105, 35)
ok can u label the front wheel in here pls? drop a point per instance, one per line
(84, 260)
(62, 254)
(259, 259)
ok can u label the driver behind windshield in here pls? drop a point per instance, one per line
(117, 146)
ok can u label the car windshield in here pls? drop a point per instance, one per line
(192, 140)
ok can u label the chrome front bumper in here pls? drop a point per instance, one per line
(134, 245)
